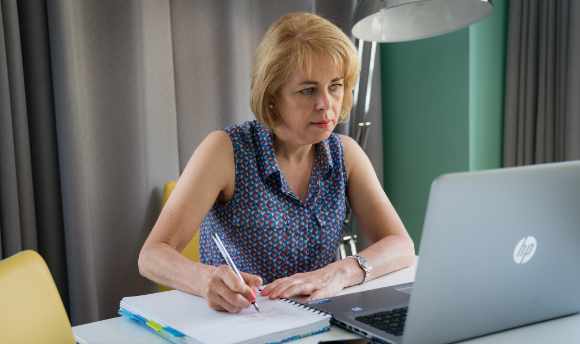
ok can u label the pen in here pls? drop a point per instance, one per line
(228, 259)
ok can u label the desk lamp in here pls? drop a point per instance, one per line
(406, 20)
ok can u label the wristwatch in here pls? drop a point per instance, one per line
(364, 265)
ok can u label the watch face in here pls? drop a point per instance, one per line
(363, 263)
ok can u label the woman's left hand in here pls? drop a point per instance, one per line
(325, 282)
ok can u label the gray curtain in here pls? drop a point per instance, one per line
(117, 136)
(101, 103)
(30, 198)
(542, 107)
(88, 136)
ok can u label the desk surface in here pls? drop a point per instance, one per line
(562, 330)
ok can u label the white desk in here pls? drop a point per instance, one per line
(119, 330)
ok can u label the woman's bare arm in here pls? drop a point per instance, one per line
(209, 173)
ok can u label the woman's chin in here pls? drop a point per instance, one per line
(321, 134)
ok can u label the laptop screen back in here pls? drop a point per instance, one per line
(500, 249)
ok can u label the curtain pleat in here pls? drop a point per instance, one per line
(19, 205)
(538, 91)
(43, 143)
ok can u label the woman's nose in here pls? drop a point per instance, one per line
(323, 101)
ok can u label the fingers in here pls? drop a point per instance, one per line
(221, 297)
(311, 285)
(316, 295)
(227, 292)
(232, 280)
(253, 281)
(273, 289)
(277, 284)
(268, 289)
(297, 289)
(289, 287)
(219, 303)
(319, 294)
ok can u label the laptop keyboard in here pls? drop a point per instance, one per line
(392, 321)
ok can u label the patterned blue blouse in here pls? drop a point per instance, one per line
(265, 227)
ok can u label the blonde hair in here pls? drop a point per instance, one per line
(291, 43)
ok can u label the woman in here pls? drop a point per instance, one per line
(276, 189)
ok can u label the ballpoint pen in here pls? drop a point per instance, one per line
(228, 259)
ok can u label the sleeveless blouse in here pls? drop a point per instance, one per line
(265, 227)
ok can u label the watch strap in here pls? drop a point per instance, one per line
(363, 265)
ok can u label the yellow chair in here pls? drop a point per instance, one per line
(31, 310)
(191, 251)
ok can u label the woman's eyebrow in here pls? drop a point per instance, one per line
(310, 82)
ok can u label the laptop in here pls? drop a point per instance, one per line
(500, 249)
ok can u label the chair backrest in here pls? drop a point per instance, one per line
(31, 310)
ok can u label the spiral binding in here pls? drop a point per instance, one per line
(305, 307)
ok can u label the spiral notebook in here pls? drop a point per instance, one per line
(184, 318)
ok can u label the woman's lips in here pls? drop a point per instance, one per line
(322, 124)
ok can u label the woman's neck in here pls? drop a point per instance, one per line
(292, 153)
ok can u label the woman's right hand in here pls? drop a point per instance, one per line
(225, 291)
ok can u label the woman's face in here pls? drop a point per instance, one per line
(308, 106)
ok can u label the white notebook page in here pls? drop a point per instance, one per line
(192, 316)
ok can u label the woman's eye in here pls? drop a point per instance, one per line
(335, 87)
(307, 91)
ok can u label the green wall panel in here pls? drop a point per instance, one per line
(487, 51)
(442, 110)
(425, 122)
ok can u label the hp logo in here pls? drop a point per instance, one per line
(525, 249)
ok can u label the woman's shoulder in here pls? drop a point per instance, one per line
(211, 164)
(217, 143)
(243, 133)
(344, 139)
(352, 151)
(349, 145)
(242, 128)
